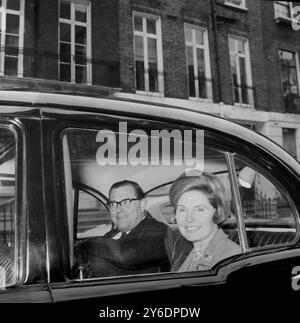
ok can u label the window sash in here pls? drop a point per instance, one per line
(5, 54)
(290, 79)
(236, 3)
(80, 68)
(148, 68)
(199, 79)
(241, 71)
(283, 9)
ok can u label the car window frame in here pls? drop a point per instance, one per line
(280, 187)
(105, 120)
(19, 216)
(91, 120)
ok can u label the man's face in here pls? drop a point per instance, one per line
(126, 218)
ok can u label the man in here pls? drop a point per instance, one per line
(135, 245)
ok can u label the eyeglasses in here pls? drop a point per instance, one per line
(125, 204)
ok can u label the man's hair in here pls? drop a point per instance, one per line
(139, 193)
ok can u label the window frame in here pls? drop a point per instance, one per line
(159, 52)
(231, 4)
(73, 23)
(286, 4)
(297, 68)
(230, 156)
(112, 125)
(284, 131)
(205, 48)
(21, 14)
(280, 188)
(249, 82)
(96, 288)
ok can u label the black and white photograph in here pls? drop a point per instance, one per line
(149, 160)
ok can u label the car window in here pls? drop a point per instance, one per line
(92, 218)
(97, 160)
(7, 207)
(269, 217)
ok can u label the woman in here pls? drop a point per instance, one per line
(200, 207)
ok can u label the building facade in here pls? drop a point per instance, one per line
(234, 58)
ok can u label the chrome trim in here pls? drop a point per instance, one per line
(237, 203)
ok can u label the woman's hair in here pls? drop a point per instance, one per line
(209, 185)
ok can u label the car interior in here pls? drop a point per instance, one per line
(87, 186)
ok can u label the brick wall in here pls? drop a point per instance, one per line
(105, 30)
(127, 77)
(245, 23)
(105, 42)
(276, 36)
(41, 38)
(112, 42)
(256, 23)
(173, 14)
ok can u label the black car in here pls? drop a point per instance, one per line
(59, 155)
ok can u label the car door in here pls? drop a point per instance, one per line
(22, 230)
(76, 146)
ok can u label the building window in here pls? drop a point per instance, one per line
(289, 141)
(75, 41)
(198, 61)
(241, 71)
(283, 9)
(236, 3)
(290, 80)
(148, 53)
(11, 37)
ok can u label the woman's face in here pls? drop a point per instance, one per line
(194, 215)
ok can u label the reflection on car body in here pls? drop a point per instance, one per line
(53, 194)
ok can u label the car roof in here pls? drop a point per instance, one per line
(107, 104)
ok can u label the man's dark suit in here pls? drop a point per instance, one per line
(142, 250)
